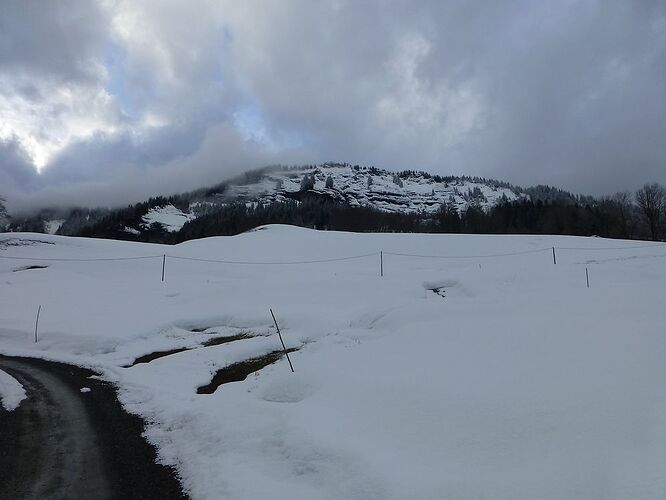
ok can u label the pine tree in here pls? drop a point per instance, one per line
(307, 182)
(4, 216)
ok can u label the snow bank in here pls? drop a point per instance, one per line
(11, 392)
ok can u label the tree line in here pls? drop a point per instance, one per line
(641, 215)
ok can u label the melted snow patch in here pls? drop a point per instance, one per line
(171, 218)
(11, 392)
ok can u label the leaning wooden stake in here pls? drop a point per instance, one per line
(163, 264)
(37, 322)
(554, 259)
(587, 278)
(282, 341)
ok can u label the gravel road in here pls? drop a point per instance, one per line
(64, 443)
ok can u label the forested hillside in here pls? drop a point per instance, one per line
(352, 198)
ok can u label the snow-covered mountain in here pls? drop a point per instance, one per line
(356, 186)
(407, 191)
(350, 185)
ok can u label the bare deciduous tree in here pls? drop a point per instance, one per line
(626, 211)
(651, 200)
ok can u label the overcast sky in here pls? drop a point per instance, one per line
(108, 102)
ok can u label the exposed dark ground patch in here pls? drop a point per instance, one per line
(147, 358)
(200, 329)
(61, 443)
(238, 372)
(28, 268)
(226, 340)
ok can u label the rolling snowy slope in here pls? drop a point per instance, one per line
(474, 368)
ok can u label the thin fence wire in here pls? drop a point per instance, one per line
(620, 259)
(275, 263)
(333, 259)
(103, 259)
(468, 256)
(655, 245)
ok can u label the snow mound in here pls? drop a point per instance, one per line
(287, 388)
(11, 392)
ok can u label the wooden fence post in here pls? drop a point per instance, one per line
(282, 341)
(37, 322)
(381, 263)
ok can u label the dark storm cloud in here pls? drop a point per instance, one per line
(99, 156)
(17, 173)
(55, 37)
(571, 93)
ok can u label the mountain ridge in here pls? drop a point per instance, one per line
(409, 193)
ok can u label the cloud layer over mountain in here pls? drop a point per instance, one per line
(110, 101)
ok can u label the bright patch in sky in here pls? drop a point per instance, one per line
(64, 113)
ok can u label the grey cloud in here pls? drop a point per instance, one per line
(568, 93)
(17, 174)
(57, 38)
(100, 156)
(220, 153)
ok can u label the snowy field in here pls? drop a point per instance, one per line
(468, 377)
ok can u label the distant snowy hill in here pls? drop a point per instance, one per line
(353, 186)
(407, 191)
(403, 192)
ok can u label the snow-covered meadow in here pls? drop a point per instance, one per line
(468, 377)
